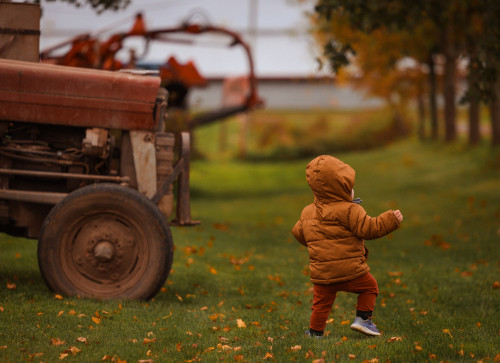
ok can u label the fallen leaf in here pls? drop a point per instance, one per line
(34, 355)
(496, 285)
(213, 271)
(147, 341)
(178, 346)
(394, 339)
(58, 297)
(57, 341)
(268, 356)
(344, 339)
(11, 286)
(60, 313)
(447, 331)
(418, 348)
(72, 350)
(352, 356)
(96, 320)
(345, 322)
(240, 323)
(81, 340)
(63, 355)
(320, 360)
(106, 357)
(1, 309)
(296, 348)
(3, 347)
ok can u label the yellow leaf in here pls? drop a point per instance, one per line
(106, 357)
(241, 323)
(268, 356)
(213, 271)
(72, 312)
(345, 322)
(296, 348)
(63, 355)
(352, 356)
(58, 297)
(447, 331)
(418, 347)
(344, 339)
(60, 313)
(96, 320)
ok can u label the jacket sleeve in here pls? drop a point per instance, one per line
(298, 233)
(366, 227)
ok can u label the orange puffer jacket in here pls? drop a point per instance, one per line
(333, 228)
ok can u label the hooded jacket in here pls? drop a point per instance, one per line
(333, 228)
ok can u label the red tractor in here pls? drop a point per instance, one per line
(87, 168)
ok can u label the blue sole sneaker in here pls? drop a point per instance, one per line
(365, 326)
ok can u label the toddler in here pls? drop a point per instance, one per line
(333, 229)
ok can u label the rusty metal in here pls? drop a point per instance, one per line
(31, 196)
(87, 51)
(124, 180)
(57, 95)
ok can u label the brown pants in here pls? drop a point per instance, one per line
(324, 297)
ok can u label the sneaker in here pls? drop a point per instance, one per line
(365, 326)
(313, 335)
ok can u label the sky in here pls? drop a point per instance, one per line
(281, 47)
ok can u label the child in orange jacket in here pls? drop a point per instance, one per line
(333, 229)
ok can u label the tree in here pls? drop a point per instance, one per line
(98, 5)
(391, 18)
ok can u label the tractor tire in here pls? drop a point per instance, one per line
(105, 241)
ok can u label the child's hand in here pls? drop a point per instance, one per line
(398, 215)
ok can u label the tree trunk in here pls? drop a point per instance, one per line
(433, 98)
(474, 135)
(495, 115)
(449, 86)
(421, 115)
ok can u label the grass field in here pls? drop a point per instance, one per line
(239, 289)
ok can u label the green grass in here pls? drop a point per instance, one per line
(435, 274)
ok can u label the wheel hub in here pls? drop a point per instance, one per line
(104, 251)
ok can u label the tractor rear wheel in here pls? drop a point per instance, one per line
(105, 241)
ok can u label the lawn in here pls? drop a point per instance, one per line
(239, 288)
